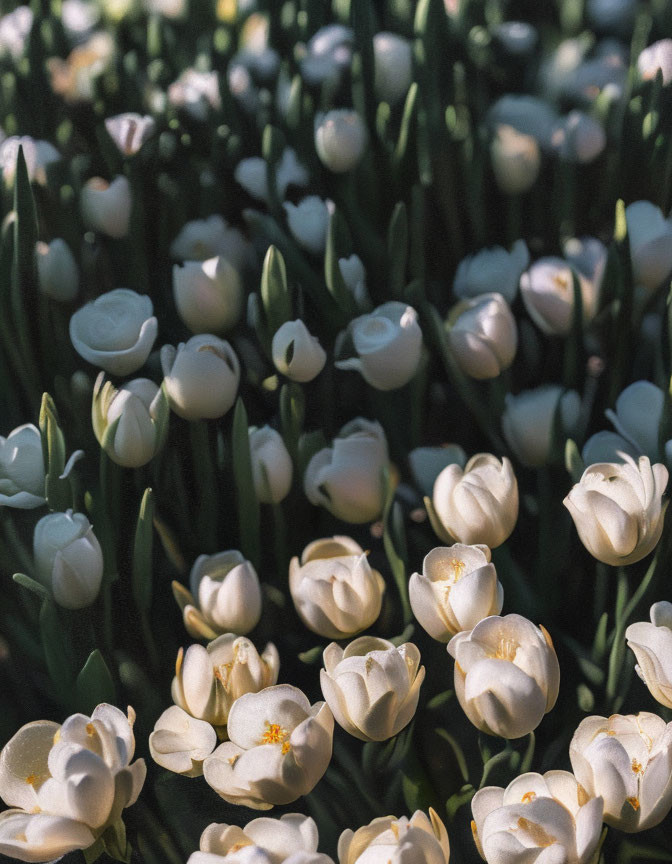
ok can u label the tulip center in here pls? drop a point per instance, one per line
(637, 767)
(561, 281)
(633, 802)
(535, 833)
(275, 734)
(222, 673)
(528, 796)
(506, 650)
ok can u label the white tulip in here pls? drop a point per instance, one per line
(618, 509)
(137, 407)
(652, 644)
(346, 478)
(74, 78)
(354, 276)
(483, 335)
(106, 207)
(477, 504)
(252, 174)
(329, 52)
(506, 675)
(528, 115)
(57, 272)
(650, 236)
(534, 814)
(68, 558)
(279, 747)
(201, 239)
(547, 289)
(340, 139)
(516, 160)
(457, 588)
(477, 273)
(15, 28)
(208, 295)
(388, 343)
(308, 221)
(627, 759)
(518, 38)
(296, 353)
(129, 131)
(271, 465)
(657, 56)
(335, 591)
(393, 70)
(612, 15)
(530, 419)
(588, 256)
(426, 463)
(22, 468)
(579, 138)
(196, 92)
(116, 331)
(180, 742)
(67, 783)
(418, 840)
(38, 155)
(201, 377)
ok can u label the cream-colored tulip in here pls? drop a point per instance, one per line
(393, 66)
(272, 468)
(506, 675)
(547, 289)
(652, 644)
(538, 817)
(279, 747)
(308, 221)
(57, 271)
(477, 504)
(529, 421)
(372, 686)
(340, 139)
(336, 592)
(201, 239)
(418, 840)
(201, 377)
(627, 759)
(656, 58)
(180, 742)
(650, 236)
(22, 468)
(129, 131)
(208, 295)
(457, 588)
(516, 160)
(476, 274)
(106, 207)
(483, 335)
(618, 509)
(296, 353)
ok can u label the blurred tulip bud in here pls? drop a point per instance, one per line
(657, 56)
(106, 207)
(296, 353)
(57, 271)
(201, 239)
(129, 131)
(506, 675)
(38, 155)
(579, 138)
(68, 558)
(335, 592)
(627, 760)
(328, 53)
(116, 331)
(427, 463)
(516, 160)
(547, 289)
(529, 421)
(271, 465)
(252, 174)
(612, 16)
(518, 38)
(652, 644)
(618, 509)
(180, 742)
(15, 27)
(340, 139)
(387, 839)
(477, 505)
(650, 236)
(208, 295)
(477, 273)
(393, 60)
(196, 92)
(354, 276)
(22, 468)
(201, 377)
(308, 221)
(346, 478)
(483, 335)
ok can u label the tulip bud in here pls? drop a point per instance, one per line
(129, 131)
(483, 335)
(346, 478)
(518, 38)
(618, 509)
(335, 592)
(329, 52)
(116, 331)
(180, 742)
(252, 174)
(657, 56)
(38, 155)
(547, 289)
(106, 207)
(506, 675)
(627, 760)
(354, 276)
(457, 588)
(393, 70)
(516, 160)
(68, 558)
(579, 138)
(201, 377)
(201, 239)
(478, 504)
(57, 271)
(308, 221)
(529, 421)
(650, 236)
(612, 16)
(271, 465)
(388, 342)
(22, 468)
(355, 706)
(340, 139)
(208, 295)
(426, 463)
(296, 353)
(387, 839)
(533, 813)
(652, 644)
(297, 741)
(477, 273)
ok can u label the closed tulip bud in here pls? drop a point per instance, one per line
(372, 686)
(507, 675)
(57, 271)
(579, 138)
(618, 509)
(208, 295)
(652, 644)
(252, 174)
(296, 353)
(516, 160)
(22, 468)
(201, 377)
(627, 760)
(346, 478)
(517, 38)
(335, 592)
(483, 335)
(536, 812)
(271, 465)
(106, 207)
(180, 742)
(308, 221)
(201, 239)
(650, 235)
(420, 840)
(612, 16)
(477, 504)
(68, 558)
(340, 139)
(457, 588)
(296, 738)
(38, 155)
(116, 331)
(129, 131)
(657, 56)
(393, 69)
(354, 276)
(531, 418)
(477, 273)
(547, 289)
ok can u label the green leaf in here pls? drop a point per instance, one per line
(572, 364)
(94, 852)
(94, 683)
(310, 443)
(292, 414)
(312, 656)
(573, 461)
(58, 491)
(459, 799)
(248, 506)
(274, 291)
(458, 752)
(394, 542)
(56, 651)
(332, 272)
(401, 148)
(31, 585)
(142, 553)
(397, 250)
(116, 844)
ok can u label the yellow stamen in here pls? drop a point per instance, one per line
(90, 729)
(538, 835)
(286, 747)
(528, 796)
(506, 650)
(32, 779)
(637, 767)
(633, 802)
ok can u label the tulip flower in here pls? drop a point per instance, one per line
(328, 53)
(650, 236)
(483, 335)
(354, 276)
(38, 155)
(308, 221)
(252, 175)
(652, 644)
(657, 56)
(22, 468)
(420, 840)
(129, 131)
(197, 92)
(516, 160)
(547, 289)
(213, 237)
(179, 742)
(529, 421)
(296, 353)
(335, 591)
(57, 271)
(340, 139)
(208, 295)
(271, 465)
(106, 207)
(393, 67)
(201, 377)
(476, 274)
(578, 137)
(506, 675)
